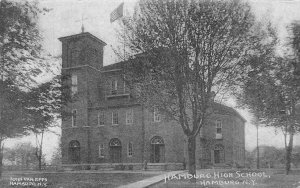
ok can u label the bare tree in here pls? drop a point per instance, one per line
(181, 53)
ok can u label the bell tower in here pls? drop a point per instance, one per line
(81, 50)
(82, 59)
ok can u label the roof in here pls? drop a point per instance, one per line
(226, 110)
(85, 34)
(119, 65)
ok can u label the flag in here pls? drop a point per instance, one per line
(117, 13)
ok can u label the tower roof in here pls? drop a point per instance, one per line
(85, 34)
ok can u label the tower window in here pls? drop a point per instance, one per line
(124, 87)
(74, 87)
(129, 117)
(115, 120)
(114, 87)
(74, 117)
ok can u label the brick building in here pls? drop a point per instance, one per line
(109, 127)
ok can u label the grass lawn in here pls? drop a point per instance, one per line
(76, 180)
(276, 179)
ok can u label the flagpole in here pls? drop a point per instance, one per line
(124, 30)
(115, 15)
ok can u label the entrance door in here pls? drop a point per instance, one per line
(115, 149)
(157, 150)
(217, 156)
(156, 153)
(115, 154)
(74, 152)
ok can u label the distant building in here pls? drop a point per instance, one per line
(109, 127)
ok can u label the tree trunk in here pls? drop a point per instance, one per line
(39, 149)
(1, 158)
(192, 157)
(289, 154)
(40, 160)
(257, 146)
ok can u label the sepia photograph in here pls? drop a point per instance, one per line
(150, 93)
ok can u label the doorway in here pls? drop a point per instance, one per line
(157, 150)
(115, 149)
(218, 154)
(74, 152)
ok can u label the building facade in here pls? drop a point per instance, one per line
(107, 126)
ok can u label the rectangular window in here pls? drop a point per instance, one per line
(130, 149)
(219, 126)
(74, 87)
(114, 87)
(115, 120)
(74, 117)
(156, 115)
(101, 120)
(124, 87)
(129, 117)
(101, 151)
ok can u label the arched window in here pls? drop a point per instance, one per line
(115, 142)
(74, 151)
(219, 147)
(74, 144)
(157, 140)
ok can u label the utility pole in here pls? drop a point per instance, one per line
(257, 154)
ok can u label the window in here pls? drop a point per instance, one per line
(219, 126)
(74, 56)
(124, 87)
(74, 116)
(101, 151)
(74, 87)
(129, 117)
(114, 87)
(156, 115)
(236, 127)
(115, 120)
(130, 149)
(101, 120)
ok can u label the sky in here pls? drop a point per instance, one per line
(65, 18)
